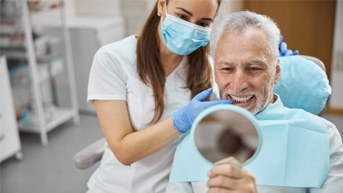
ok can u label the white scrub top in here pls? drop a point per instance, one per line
(113, 76)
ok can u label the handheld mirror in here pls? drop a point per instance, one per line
(223, 131)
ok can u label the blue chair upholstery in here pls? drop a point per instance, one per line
(303, 84)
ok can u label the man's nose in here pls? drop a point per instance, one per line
(239, 81)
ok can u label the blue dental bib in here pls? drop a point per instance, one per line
(294, 151)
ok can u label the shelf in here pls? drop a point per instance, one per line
(21, 55)
(9, 9)
(60, 115)
(43, 6)
(10, 26)
(44, 57)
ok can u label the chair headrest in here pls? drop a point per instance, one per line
(303, 84)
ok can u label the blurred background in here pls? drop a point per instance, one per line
(46, 51)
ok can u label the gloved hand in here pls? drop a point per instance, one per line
(284, 51)
(183, 118)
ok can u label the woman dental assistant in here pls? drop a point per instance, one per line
(142, 88)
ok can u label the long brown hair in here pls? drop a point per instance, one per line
(150, 69)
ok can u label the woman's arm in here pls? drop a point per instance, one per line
(129, 145)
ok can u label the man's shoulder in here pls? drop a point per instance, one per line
(279, 114)
(315, 119)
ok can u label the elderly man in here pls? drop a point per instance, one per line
(246, 70)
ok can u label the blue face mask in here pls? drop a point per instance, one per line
(182, 37)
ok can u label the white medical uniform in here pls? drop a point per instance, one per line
(333, 183)
(114, 76)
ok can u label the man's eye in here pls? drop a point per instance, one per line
(227, 69)
(254, 69)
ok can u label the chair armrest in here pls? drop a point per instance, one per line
(90, 154)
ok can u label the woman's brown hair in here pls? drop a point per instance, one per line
(150, 69)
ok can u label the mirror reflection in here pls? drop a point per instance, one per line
(226, 133)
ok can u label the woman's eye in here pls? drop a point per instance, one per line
(182, 16)
(203, 24)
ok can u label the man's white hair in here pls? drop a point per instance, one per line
(240, 21)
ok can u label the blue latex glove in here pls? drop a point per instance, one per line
(183, 118)
(284, 51)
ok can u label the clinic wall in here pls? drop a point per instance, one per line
(97, 7)
(131, 10)
(136, 12)
(336, 99)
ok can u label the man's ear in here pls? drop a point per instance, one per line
(277, 72)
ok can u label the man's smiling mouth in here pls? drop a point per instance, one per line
(240, 99)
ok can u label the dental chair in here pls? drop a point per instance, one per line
(303, 84)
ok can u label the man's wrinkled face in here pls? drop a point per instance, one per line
(244, 71)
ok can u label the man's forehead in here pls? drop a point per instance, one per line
(233, 46)
(249, 36)
(242, 62)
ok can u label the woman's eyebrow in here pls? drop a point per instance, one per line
(207, 19)
(184, 10)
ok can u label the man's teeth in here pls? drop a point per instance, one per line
(241, 99)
